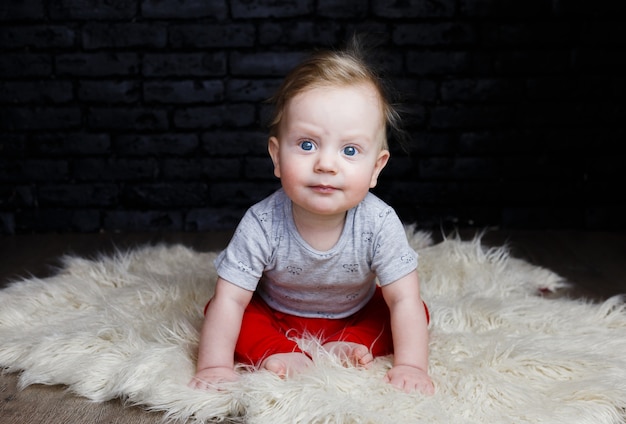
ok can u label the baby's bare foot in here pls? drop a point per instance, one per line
(286, 364)
(354, 353)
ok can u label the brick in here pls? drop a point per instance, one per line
(173, 9)
(579, 8)
(97, 64)
(124, 35)
(12, 145)
(528, 33)
(598, 192)
(438, 63)
(532, 62)
(114, 169)
(430, 143)
(212, 35)
(541, 192)
(127, 118)
(413, 8)
(36, 91)
(387, 63)
(434, 34)
(572, 87)
(259, 169)
(13, 65)
(601, 32)
(505, 8)
(270, 8)
(69, 143)
(342, 9)
(608, 60)
(171, 195)
(213, 219)
(251, 90)
(398, 167)
(410, 193)
(603, 167)
(264, 64)
(377, 29)
(413, 91)
(33, 170)
(483, 192)
(93, 9)
(201, 169)
(605, 113)
(109, 91)
(177, 92)
(481, 90)
(265, 114)
(240, 194)
(554, 87)
(476, 116)
(498, 142)
(174, 144)
(543, 168)
(77, 194)
(37, 36)
(40, 118)
(459, 168)
(320, 33)
(541, 114)
(238, 115)
(134, 220)
(25, 9)
(184, 64)
(57, 220)
(17, 196)
(235, 143)
(574, 139)
(413, 115)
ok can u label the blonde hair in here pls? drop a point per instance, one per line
(334, 68)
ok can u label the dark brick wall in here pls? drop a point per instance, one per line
(148, 114)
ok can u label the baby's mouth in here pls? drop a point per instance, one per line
(321, 188)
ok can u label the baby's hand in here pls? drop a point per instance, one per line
(409, 379)
(209, 378)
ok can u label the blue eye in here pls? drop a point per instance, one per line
(350, 151)
(306, 145)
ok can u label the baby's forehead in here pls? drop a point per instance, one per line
(367, 89)
(364, 86)
(305, 103)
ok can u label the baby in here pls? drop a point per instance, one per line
(322, 256)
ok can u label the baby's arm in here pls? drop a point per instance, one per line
(219, 334)
(409, 328)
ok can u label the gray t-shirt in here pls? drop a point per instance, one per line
(267, 254)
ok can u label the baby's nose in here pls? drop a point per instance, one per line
(326, 162)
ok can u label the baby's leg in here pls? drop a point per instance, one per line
(261, 336)
(366, 335)
(287, 364)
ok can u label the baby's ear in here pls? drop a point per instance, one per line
(381, 162)
(273, 146)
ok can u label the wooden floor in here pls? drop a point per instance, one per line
(594, 262)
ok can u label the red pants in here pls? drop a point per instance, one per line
(265, 331)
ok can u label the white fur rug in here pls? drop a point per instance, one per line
(127, 326)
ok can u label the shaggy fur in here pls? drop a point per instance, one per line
(127, 326)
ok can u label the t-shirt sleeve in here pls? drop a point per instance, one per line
(393, 257)
(243, 261)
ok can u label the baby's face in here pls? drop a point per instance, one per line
(329, 150)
